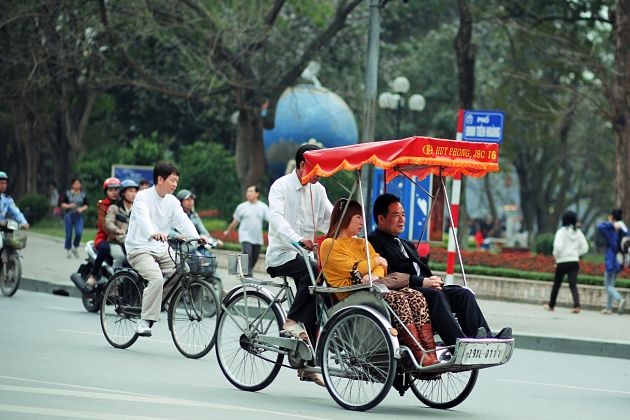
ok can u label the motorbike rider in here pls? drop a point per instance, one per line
(187, 199)
(117, 221)
(111, 188)
(7, 205)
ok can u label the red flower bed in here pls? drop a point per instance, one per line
(525, 261)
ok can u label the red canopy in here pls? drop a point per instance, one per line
(416, 156)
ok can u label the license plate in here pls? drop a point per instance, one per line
(483, 353)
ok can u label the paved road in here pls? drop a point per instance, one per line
(55, 363)
(46, 269)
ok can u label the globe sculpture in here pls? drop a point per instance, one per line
(306, 112)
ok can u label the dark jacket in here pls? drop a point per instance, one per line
(387, 246)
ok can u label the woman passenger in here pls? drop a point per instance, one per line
(341, 254)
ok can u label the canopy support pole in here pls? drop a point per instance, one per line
(453, 237)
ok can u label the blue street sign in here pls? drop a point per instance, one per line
(415, 201)
(483, 126)
(135, 172)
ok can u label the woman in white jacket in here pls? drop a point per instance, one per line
(568, 245)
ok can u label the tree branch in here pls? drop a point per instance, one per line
(147, 81)
(315, 45)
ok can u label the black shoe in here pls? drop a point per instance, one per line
(481, 333)
(504, 334)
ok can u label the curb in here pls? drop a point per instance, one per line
(600, 348)
(43, 286)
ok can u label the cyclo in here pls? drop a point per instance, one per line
(357, 352)
(192, 302)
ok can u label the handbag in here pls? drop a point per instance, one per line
(355, 276)
(394, 281)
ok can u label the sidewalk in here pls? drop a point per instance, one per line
(45, 268)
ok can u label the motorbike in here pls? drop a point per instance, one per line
(92, 297)
(11, 240)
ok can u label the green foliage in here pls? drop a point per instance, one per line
(34, 206)
(207, 169)
(544, 243)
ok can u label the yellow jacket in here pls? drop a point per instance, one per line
(339, 257)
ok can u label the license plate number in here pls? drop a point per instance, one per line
(483, 353)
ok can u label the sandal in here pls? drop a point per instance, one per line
(296, 331)
(311, 377)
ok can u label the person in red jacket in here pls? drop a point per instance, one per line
(111, 187)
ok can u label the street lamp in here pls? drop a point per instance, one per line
(395, 100)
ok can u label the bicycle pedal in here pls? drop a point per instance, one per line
(286, 334)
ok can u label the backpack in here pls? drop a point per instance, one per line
(623, 249)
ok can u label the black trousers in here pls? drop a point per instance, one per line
(453, 299)
(571, 269)
(252, 251)
(304, 306)
(102, 252)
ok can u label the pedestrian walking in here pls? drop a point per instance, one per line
(74, 203)
(569, 244)
(249, 216)
(53, 199)
(613, 230)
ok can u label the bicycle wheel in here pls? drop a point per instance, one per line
(246, 316)
(10, 283)
(121, 308)
(447, 390)
(357, 359)
(192, 318)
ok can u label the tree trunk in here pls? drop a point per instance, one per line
(465, 51)
(487, 186)
(28, 138)
(621, 102)
(249, 154)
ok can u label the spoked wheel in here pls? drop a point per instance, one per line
(245, 317)
(10, 283)
(357, 359)
(192, 318)
(447, 390)
(121, 308)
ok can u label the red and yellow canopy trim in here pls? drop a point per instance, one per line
(415, 156)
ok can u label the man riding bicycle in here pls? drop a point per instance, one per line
(155, 212)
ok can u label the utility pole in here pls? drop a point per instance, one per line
(371, 89)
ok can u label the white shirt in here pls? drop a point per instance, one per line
(296, 211)
(250, 217)
(569, 244)
(151, 214)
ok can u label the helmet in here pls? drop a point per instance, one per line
(128, 183)
(3, 175)
(184, 194)
(111, 183)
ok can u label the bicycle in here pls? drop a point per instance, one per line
(192, 302)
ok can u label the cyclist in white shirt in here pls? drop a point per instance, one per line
(155, 212)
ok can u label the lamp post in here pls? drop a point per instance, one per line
(395, 100)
